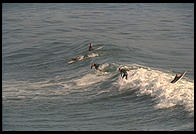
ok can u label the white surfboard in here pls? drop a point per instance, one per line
(70, 62)
(99, 48)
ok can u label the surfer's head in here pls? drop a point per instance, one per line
(91, 44)
(74, 59)
(92, 65)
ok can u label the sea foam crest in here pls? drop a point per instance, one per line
(90, 79)
(157, 84)
(25, 89)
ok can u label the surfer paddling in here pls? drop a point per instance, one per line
(90, 47)
(79, 58)
(123, 73)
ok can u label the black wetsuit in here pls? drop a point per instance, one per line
(90, 48)
(96, 66)
(123, 73)
(74, 59)
(176, 78)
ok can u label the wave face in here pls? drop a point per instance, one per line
(43, 90)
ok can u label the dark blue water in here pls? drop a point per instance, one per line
(42, 91)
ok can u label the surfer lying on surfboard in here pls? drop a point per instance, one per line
(86, 56)
(79, 58)
(178, 77)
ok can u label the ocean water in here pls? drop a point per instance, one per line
(42, 91)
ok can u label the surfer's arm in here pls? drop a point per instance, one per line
(175, 79)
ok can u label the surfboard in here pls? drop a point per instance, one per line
(70, 62)
(178, 78)
(99, 48)
(79, 58)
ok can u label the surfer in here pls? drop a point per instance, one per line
(178, 77)
(123, 73)
(96, 66)
(90, 47)
(83, 57)
(79, 58)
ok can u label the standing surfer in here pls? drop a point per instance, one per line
(123, 73)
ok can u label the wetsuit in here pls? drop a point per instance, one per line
(176, 78)
(74, 59)
(90, 48)
(96, 66)
(123, 73)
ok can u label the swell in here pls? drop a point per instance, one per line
(102, 86)
(142, 80)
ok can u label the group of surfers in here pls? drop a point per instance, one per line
(123, 71)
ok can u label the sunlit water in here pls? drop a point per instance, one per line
(41, 91)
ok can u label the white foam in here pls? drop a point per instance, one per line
(90, 79)
(103, 66)
(25, 89)
(52, 87)
(157, 84)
